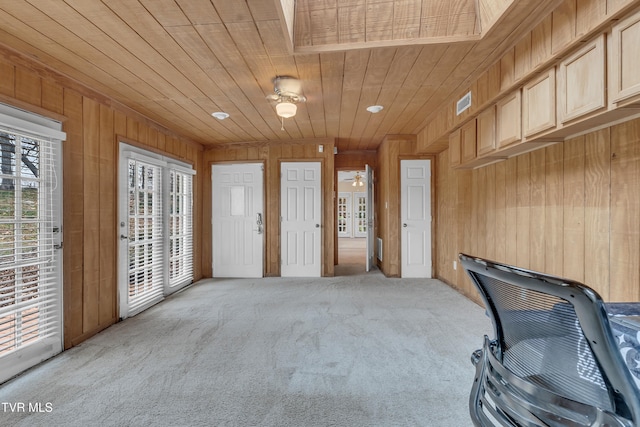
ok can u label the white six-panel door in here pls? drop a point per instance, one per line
(237, 220)
(301, 215)
(415, 218)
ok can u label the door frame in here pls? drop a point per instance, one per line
(265, 213)
(369, 172)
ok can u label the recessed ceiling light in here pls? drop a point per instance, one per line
(374, 108)
(220, 115)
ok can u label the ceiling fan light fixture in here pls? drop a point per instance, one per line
(220, 115)
(374, 108)
(286, 109)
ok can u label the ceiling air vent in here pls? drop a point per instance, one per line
(463, 103)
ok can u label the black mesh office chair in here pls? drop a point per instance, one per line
(554, 360)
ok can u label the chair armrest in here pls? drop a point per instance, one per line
(476, 356)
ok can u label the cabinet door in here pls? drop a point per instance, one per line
(539, 104)
(581, 81)
(468, 141)
(625, 59)
(509, 119)
(454, 148)
(487, 131)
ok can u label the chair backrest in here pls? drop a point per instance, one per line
(553, 336)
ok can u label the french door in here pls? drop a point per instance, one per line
(344, 214)
(180, 228)
(360, 214)
(30, 240)
(156, 229)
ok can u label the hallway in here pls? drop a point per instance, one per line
(352, 250)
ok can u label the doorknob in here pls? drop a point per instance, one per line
(404, 224)
(317, 225)
(123, 237)
(259, 223)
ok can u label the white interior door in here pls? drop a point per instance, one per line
(344, 214)
(415, 215)
(370, 262)
(301, 215)
(238, 220)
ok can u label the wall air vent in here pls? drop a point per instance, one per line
(463, 103)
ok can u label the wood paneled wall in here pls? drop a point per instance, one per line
(355, 160)
(271, 155)
(570, 209)
(90, 166)
(387, 188)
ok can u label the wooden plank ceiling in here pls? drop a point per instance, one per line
(178, 61)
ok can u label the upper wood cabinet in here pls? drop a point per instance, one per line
(454, 148)
(509, 119)
(625, 60)
(468, 141)
(581, 81)
(486, 131)
(595, 85)
(539, 104)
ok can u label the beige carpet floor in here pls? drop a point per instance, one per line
(354, 350)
